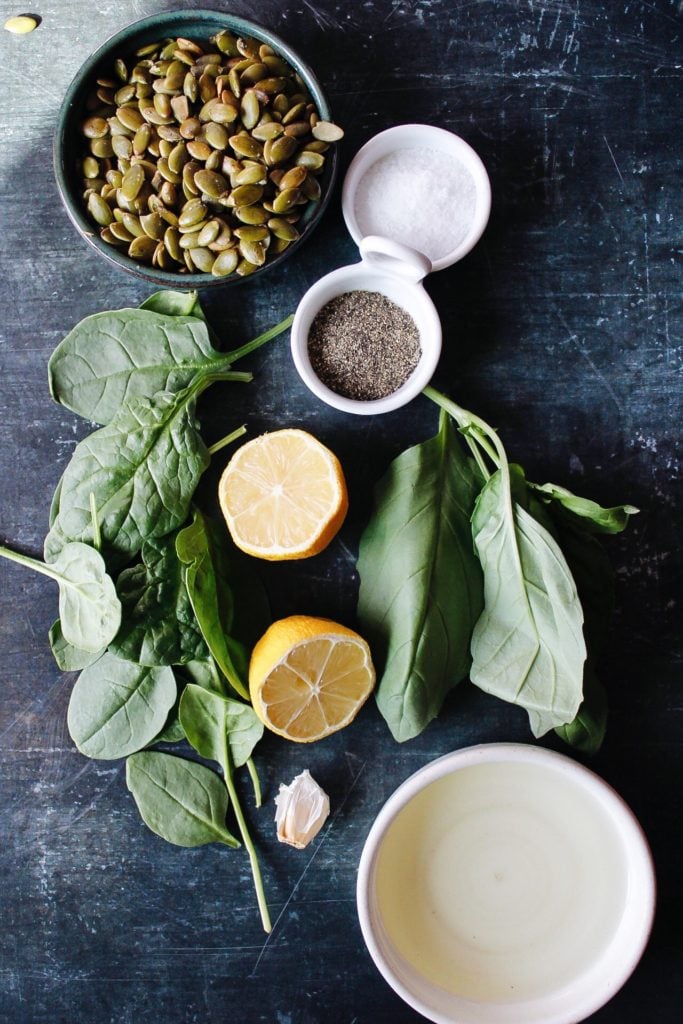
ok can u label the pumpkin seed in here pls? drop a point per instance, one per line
(120, 232)
(293, 178)
(311, 161)
(190, 127)
(133, 181)
(91, 167)
(267, 130)
(209, 233)
(199, 150)
(244, 268)
(101, 148)
(311, 188)
(325, 131)
(106, 236)
(285, 200)
(21, 24)
(172, 243)
(251, 174)
(282, 229)
(211, 182)
(203, 259)
(253, 252)
(130, 117)
(142, 139)
(223, 113)
(193, 212)
(276, 151)
(168, 133)
(246, 195)
(153, 225)
(225, 263)
(132, 224)
(251, 214)
(226, 43)
(122, 146)
(142, 248)
(250, 110)
(252, 233)
(99, 210)
(216, 135)
(279, 245)
(178, 157)
(95, 127)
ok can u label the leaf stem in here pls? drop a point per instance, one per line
(32, 563)
(268, 335)
(246, 838)
(251, 768)
(228, 439)
(482, 433)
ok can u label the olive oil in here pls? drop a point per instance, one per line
(501, 882)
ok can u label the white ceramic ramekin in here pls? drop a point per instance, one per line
(594, 986)
(396, 271)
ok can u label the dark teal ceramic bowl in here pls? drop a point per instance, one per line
(67, 150)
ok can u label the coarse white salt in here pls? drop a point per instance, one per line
(424, 198)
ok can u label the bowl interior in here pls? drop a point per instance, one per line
(541, 922)
(425, 138)
(197, 25)
(411, 297)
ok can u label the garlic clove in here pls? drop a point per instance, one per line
(301, 810)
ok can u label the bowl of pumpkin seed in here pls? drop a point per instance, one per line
(195, 148)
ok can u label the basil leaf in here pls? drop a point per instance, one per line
(68, 657)
(586, 732)
(214, 725)
(527, 646)
(117, 707)
(115, 356)
(183, 802)
(142, 469)
(421, 587)
(158, 625)
(171, 303)
(592, 515)
(202, 548)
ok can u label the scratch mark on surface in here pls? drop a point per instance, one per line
(609, 150)
(301, 877)
(582, 351)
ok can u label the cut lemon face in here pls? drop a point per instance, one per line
(283, 495)
(309, 677)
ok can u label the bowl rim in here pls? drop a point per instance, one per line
(67, 109)
(636, 850)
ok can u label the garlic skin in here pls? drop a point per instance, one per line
(301, 810)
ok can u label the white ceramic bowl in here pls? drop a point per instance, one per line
(512, 827)
(423, 137)
(396, 271)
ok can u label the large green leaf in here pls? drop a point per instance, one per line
(183, 802)
(421, 585)
(216, 725)
(117, 707)
(112, 357)
(158, 624)
(528, 645)
(68, 657)
(142, 469)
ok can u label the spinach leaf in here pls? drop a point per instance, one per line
(173, 731)
(68, 657)
(89, 610)
(171, 303)
(216, 725)
(183, 802)
(113, 357)
(117, 707)
(204, 673)
(592, 516)
(202, 548)
(421, 587)
(158, 624)
(142, 469)
(527, 646)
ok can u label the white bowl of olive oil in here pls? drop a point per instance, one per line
(504, 884)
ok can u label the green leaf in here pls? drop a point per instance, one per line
(158, 624)
(171, 303)
(587, 730)
(210, 721)
(117, 707)
(142, 468)
(204, 673)
(527, 646)
(421, 585)
(591, 515)
(113, 357)
(68, 657)
(89, 610)
(203, 549)
(183, 802)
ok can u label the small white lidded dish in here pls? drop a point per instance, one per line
(399, 248)
(505, 883)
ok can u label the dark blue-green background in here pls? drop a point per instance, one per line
(563, 328)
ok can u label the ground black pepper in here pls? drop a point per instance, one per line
(363, 346)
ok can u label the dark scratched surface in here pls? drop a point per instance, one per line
(562, 328)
